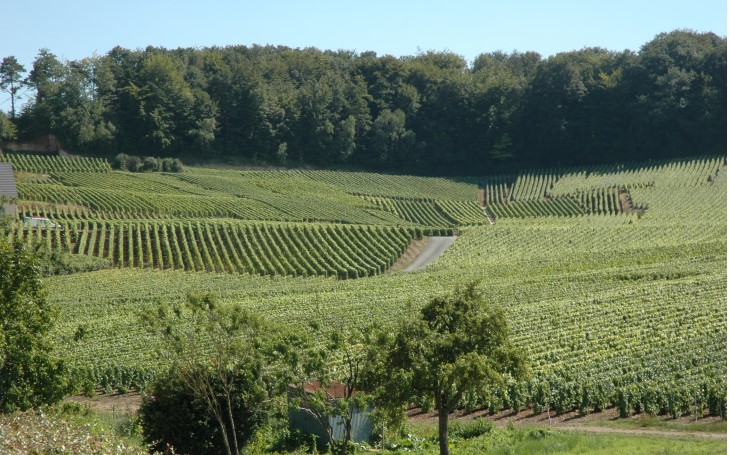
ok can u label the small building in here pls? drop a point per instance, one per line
(304, 421)
(8, 190)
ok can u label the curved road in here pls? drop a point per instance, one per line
(435, 248)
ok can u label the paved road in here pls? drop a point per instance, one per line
(433, 250)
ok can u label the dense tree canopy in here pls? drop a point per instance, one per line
(432, 113)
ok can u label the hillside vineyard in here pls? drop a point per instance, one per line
(614, 278)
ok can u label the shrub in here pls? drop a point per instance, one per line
(177, 165)
(134, 163)
(167, 164)
(120, 161)
(172, 414)
(150, 164)
(473, 429)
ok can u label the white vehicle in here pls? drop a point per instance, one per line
(32, 222)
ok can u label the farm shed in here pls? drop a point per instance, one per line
(8, 189)
(300, 419)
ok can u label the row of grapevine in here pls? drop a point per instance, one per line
(65, 214)
(536, 184)
(535, 208)
(178, 205)
(379, 185)
(292, 250)
(603, 201)
(323, 206)
(46, 164)
(532, 186)
(465, 213)
(419, 211)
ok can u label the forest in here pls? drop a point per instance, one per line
(433, 113)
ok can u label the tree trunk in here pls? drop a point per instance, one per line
(348, 432)
(443, 430)
(232, 422)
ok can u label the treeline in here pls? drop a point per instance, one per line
(432, 113)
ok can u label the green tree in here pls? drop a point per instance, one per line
(46, 77)
(679, 93)
(11, 79)
(457, 345)
(8, 130)
(229, 364)
(29, 374)
(390, 141)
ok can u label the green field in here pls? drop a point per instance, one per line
(614, 278)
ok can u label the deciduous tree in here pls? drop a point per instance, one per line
(458, 344)
(29, 374)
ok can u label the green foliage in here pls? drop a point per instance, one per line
(471, 429)
(11, 79)
(151, 164)
(426, 114)
(457, 345)
(8, 130)
(29, 374)
(133, 163)
(332, 381)
(45, 164)
(174, 416)
(605, 305)
(59, 263)
(226, 362)
(69, 428)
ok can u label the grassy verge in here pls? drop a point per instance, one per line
(657, 423)
(539, 440)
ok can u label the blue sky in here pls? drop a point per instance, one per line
(79, 28)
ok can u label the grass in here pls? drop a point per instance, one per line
(539, 440)
(658, 423)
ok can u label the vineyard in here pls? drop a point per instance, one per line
(614, 278)
(596, 190)
(343, 251)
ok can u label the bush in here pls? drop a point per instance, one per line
(120, 161)
(150, 164)
(134, 163)
(177, 165)
(474, 429)
(172, 414)
(167, 164)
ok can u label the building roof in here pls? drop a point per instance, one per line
(7, 181)
(335, 389)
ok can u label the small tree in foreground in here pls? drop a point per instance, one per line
(29, 375)
(457, 345)
(222, 380)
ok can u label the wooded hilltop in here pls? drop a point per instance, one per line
(432, 113)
